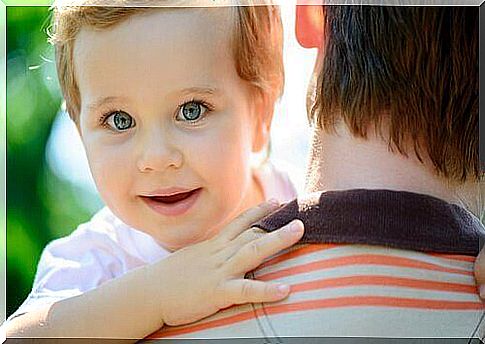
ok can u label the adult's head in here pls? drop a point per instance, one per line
(410, 73)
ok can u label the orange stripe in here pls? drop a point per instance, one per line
(363, 259)
(165, 332)
(458, 257)
(385, 281)
(298, 253)
(311, 248)
(351, 301)
(379, 301)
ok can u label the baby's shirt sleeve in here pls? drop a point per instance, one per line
(71, 266)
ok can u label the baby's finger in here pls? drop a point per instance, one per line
(242, 239)
(244, 291)
(254, 253)
(246, 219)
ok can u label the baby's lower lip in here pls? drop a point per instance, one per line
(174, 208)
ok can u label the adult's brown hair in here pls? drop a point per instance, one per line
(412, 69)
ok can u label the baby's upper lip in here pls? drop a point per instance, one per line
(167, 192)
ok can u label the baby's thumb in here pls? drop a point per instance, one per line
(480, 272)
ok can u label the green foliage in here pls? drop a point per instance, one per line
(40, 206)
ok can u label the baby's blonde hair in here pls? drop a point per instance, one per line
(257, 41)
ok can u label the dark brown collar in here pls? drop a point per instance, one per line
(382, 217)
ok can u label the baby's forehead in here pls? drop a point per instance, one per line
(156, 53)
(158, 3)
(186, 25)
(182, 30)
(250, 37)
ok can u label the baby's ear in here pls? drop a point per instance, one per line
(264, 108)
(309, 25)
(77, 123)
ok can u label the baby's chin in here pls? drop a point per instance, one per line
(179, 243)
(180, 237)
(174, 234)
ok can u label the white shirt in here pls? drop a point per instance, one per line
(105, 248)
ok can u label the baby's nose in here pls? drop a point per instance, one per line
(158, 153)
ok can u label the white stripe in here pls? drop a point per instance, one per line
(372, 290)
(375, 322)
(353, 250)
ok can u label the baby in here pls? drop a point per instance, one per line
(171, 104)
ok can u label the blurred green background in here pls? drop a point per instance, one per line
(41, 204)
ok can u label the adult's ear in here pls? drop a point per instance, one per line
(309, 25)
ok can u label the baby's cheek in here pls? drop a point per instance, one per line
(234, 175)
(232, 162)
(112, 178)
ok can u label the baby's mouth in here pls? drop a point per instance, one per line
(173, 204)
(172, 198)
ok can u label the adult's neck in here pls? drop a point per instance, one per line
(341, 161)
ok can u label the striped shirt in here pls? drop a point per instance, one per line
(361, 290)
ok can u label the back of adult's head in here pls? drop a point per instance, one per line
(410, 70)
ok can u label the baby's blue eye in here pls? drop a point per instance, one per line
(191, 111)
(120, 121)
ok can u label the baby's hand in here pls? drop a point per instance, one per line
(201, 279)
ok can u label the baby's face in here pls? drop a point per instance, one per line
(167, 124)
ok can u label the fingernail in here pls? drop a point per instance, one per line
(283, 289)
(482, 291)
(295, 226)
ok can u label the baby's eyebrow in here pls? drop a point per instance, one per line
(102, 101)
(200, 90)
(185, 91)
